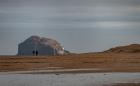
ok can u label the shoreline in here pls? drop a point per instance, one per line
(74, 64)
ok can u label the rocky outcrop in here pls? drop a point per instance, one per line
(133, 48)
(45, 46)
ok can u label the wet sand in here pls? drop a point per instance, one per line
(110, 62)
(104, 62)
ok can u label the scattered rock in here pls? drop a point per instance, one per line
(56, 74)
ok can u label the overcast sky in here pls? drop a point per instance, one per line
(78, 25)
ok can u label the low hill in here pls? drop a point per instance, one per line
(133, 48)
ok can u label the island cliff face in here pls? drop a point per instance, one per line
(45, 46)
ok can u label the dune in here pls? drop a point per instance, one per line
(133, 48)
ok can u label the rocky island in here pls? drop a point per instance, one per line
(45, 46)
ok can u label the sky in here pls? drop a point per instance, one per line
(80, 26)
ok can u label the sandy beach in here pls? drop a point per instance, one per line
(74, 64)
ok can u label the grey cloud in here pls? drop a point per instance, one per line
(69, 12)
(69, 3)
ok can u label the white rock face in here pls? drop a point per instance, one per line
(44, 46)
